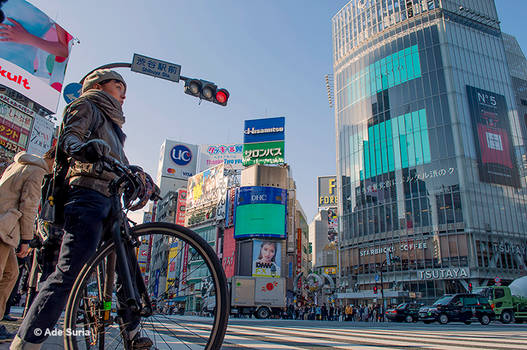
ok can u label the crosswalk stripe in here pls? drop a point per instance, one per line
(369, 336)
(276, 337)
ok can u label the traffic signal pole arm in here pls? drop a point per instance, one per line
(120, 65)
(202, 89)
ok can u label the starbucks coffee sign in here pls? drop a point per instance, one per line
(444, 274)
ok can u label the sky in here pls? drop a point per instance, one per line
(270, 55)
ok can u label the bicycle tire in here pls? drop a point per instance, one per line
(206, 252)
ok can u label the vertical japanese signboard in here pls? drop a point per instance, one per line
(142, 256)
(35, 71)
(494, 147)
(181, 206)
(263, 141)
(298, 250)
(229, 252)
(172, 265)
(333, 223)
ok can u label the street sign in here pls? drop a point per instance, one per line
(156, 68)
(71, 92)
(376, 278)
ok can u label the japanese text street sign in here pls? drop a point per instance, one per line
(156, 68)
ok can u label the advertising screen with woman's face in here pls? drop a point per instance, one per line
(266, 258)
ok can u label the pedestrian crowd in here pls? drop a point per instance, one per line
(331, 312)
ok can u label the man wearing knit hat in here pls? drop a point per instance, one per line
(91, 129)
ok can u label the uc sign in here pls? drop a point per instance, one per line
(181, 155)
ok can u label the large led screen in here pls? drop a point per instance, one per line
(490, 125)
(260, 212)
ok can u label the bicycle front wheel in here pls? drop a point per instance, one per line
(184, 279)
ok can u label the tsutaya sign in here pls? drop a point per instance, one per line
(444, 274)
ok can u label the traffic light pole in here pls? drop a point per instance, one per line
(382, 288)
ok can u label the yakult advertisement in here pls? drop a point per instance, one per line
(34, 53)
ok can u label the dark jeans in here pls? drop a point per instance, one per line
(85, 212)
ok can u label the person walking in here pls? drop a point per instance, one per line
(91, 129)
(20, 192)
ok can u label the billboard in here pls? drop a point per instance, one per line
(267, 257)
(263, 141)
(231, 204)
(41, 136)
(15, 124)
(229, 252)
(333, 224)
(181, 206)
(34, 53)
(142, 256)
(263, 153)
(206, 188)
(171, 268)
(229, 155)
(178, 160)
(327, 191)
(494, 148)
(264, 130)
(260, 212)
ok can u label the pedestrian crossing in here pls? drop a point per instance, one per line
(276, 335)
(169, 332)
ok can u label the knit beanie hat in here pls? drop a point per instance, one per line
(101, 75)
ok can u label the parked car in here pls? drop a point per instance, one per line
(458, 307)
(405, 312)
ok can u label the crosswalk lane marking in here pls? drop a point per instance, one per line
(339, 338)
(366, 335)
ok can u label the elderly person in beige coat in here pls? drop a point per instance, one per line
(20, 196)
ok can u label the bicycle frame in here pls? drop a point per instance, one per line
(135, 294)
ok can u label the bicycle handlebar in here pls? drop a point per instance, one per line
(126, 174)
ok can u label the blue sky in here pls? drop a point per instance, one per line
(271, 55)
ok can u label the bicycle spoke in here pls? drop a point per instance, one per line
(188, 329)
(161, 337)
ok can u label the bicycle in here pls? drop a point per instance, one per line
(111, 289)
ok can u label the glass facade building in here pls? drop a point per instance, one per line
(429, 147)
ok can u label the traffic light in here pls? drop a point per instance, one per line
(206, 90)
(470, 287)
(375, 290)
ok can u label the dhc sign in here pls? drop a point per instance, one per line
(181, 155)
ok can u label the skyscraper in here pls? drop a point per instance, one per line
(432, 190)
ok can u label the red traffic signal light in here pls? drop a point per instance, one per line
(206, 90)
(375, 290)
(470, 287)
(222, 96)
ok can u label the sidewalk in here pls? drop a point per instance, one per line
(53, 343)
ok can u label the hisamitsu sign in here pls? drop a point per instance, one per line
(156, 68)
